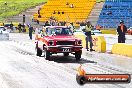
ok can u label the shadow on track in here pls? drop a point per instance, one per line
(69, 59)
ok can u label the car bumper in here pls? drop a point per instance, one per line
(64, 49)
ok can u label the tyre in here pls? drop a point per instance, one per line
(66, 54)
(46, 54)
(39, 52)
(78, 55)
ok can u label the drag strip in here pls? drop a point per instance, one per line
(24, 69)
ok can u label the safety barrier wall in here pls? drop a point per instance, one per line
(99, 43)
(122, 49)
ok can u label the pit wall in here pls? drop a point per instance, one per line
(99, 45)
(122, 49)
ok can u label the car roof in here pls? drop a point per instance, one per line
(56, 27)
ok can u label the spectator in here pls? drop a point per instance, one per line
(109, 13)
(36, 33)
(52, 18)
(121, 30)
(30, 32)
(62, 12)
(11, 26)
(67, 3)
(43, 31)
(23, 28)
(98, 27)
(109, 6)
(59, 24)
(37, 21)
(70, 25)
(58, 12)
(64, 23)
(82, 25)
(77, 22)
(72, 6)
(103, 13)
(53, 23)
(106, 6)
(19, 27)
(56, 23)
(39, 10)
(39, 16)
(47, 23)
(54, 12)
(87, 31)
(3, 24)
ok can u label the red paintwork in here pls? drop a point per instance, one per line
(46, 39)
(61, 37)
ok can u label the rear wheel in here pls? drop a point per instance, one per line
(46, 54)
(39, 52)
(66, 54)
(78, 55)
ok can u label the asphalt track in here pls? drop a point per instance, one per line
(21, 68)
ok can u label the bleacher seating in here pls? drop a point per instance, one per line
(64, 12)
(115, 10)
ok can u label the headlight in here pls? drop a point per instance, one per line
(78, 42)
(51, 43)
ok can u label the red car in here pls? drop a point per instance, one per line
(58, 39)
(129, 31)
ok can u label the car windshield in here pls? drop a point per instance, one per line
(58, 31)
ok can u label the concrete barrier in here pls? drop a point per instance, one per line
(99, 43)
(122, 49)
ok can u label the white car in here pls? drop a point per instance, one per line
(4, 34)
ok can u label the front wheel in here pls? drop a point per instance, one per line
(78, 55)
(46, 54)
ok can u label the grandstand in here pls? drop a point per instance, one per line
(112, 12)
(65, 10)
(115, 10)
